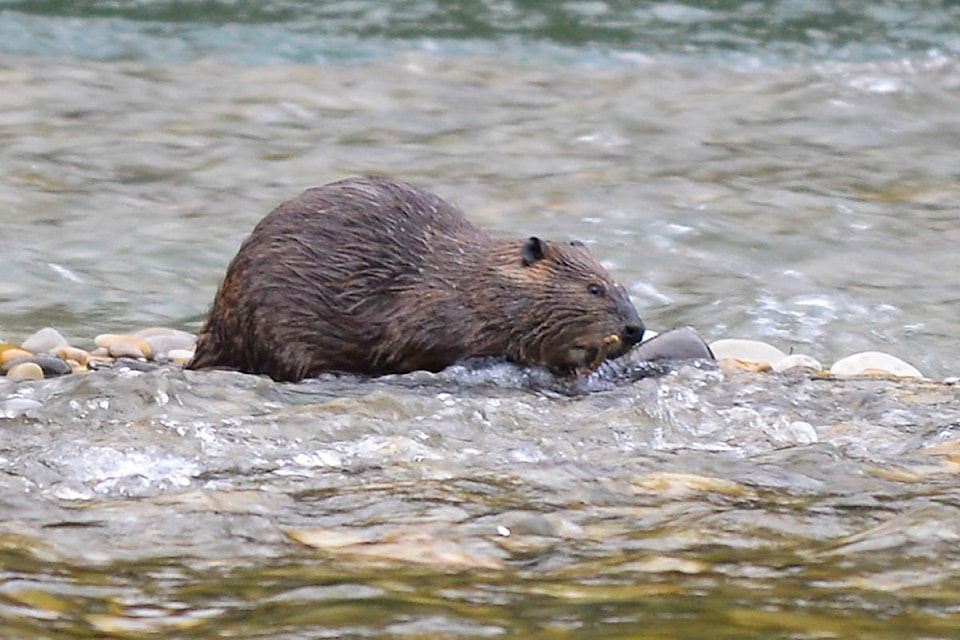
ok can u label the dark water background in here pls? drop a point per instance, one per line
(784, 171)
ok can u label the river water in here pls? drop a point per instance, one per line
(779, 170)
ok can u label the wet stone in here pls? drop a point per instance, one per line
(682, 343)
(123, 346)
(47, 339)
(25, 371)
(127, 350)
(72, 353)
(50, 365)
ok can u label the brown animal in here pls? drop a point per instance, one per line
(373, 276)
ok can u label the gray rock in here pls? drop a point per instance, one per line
(47, 339)
(682, 343)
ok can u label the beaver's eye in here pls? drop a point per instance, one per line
(596, 289)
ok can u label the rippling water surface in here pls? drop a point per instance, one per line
(770, 170)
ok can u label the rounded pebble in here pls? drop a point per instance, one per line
(874, 362)
(795, 361)
(746, 351)
(72, 353)
(13, 353)
(25, 371)
(119, 346)
(126, 350)
(47, 339)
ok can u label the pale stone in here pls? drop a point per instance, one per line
(797, 360)
(72, 353)
(121, 349)
(119, 345)
(47, 339)
(25, 371)
(746, 351)
(873, 363)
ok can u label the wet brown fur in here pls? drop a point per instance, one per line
(374, 276)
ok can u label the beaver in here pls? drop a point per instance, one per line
(374, 276)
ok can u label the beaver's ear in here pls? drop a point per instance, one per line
(533, 250)
(577, 243)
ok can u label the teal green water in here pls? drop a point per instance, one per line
(251, 32)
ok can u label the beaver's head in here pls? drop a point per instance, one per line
(577, 315)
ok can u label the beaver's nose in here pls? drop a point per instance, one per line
(633, 333)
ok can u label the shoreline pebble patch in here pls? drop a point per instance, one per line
(49, 352)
